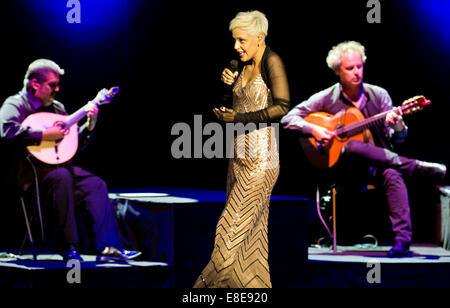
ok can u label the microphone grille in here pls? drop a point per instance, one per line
(233, 65)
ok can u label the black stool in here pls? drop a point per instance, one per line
(29, 219)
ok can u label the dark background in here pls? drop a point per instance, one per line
(167, 57)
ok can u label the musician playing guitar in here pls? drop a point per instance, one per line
(63, 185)
(353, 99)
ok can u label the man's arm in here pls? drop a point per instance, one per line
(395, 127)
(294, 120)
(11, 117)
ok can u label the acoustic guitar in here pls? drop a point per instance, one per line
(60, 151)
(348, 124)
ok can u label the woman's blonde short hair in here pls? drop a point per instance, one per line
(254, 22)
(334, 55)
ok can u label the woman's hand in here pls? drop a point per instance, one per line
(228, 77)
(225, 114)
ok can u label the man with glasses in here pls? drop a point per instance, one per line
(65, 186)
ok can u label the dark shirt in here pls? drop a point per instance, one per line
(14, 137)
(332, 100)
(16, 109)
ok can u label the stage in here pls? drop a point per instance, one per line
(369, 267)
(160, 130)
(50, 271)
(349, 267)
(174, 228)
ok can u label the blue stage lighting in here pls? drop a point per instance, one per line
(80, 22)
(433, 16)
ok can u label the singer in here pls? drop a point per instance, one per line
(63, 186)
(260, 94)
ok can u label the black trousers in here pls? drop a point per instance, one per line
(67, 187)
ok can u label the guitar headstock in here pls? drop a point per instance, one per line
(414, 104)
(105, 96)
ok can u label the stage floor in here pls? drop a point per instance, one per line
(421, 253)
(49, 270)
(369, 267)
(349, 267)
(186, 219)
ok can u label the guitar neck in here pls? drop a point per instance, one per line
(76, 116)
(81, 113)
(356, 128)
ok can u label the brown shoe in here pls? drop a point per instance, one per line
(114, 254)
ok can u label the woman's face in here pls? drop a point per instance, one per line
(245, 44)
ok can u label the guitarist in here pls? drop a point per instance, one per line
(64, 186)
(347, 61)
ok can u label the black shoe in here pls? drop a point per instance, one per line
(72, 254)
(400, 250)
(434, 170)
(114, 254)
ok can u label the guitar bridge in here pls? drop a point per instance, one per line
(56, 151)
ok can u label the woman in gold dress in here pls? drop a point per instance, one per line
(260, 95)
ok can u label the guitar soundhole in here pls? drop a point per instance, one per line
(340, 136)
(62, 125)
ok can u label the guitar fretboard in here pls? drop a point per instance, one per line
(355, 128)
(75, 117)
(81, 113)
(409, 106)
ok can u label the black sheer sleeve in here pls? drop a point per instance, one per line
(274, 74)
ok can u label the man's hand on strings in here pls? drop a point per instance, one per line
(322, 134)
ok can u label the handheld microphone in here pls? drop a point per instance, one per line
(233, 68)
(233, 65)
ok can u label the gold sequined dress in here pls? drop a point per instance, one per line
(240, 255)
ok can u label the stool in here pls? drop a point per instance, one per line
(444, 213)
(29, 219)
(330, 199)
(28, 233)
(332, 234)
